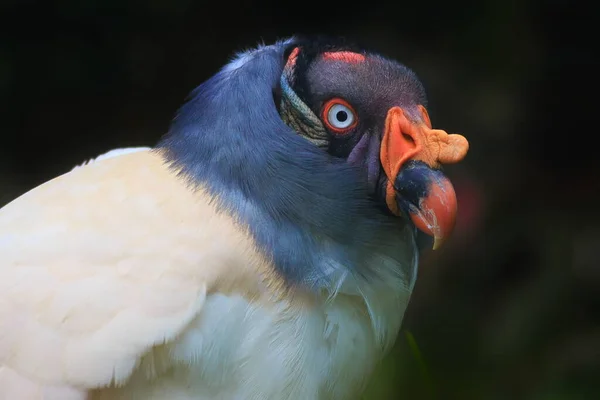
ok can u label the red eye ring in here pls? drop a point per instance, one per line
(332, 118)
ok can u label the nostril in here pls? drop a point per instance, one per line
(408, 138)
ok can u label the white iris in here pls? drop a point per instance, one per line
(340, 116)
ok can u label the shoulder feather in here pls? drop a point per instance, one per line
(108, 260)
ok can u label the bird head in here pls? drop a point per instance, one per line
(371, 111)
(325, 152)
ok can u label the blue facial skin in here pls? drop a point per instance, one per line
(306, 209)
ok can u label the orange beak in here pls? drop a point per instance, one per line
(411, 155)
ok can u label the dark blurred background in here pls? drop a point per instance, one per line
(506, 309)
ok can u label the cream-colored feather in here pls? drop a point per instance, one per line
(120, 281)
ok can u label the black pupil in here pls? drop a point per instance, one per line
(341, 116)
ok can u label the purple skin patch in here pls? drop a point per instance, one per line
(366, 152)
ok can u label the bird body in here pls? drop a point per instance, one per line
(234, 260)
(198, 307)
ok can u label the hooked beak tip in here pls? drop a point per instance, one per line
(437, 242)
(436, 213)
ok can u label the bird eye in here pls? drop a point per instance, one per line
(339, 116)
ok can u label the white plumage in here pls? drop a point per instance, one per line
(180, 305)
